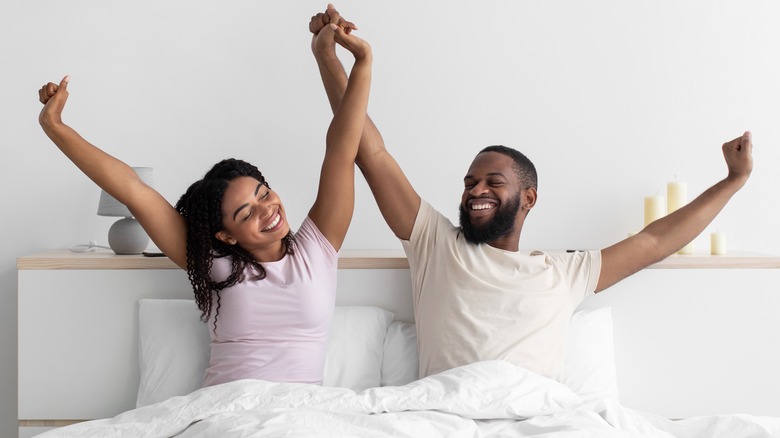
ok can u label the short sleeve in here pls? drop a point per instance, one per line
(580, 268)
(308, 232)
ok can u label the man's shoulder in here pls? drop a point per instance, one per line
(433, 217)
(569, 259)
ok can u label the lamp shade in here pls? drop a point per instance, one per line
(109, 206)
(126, 236)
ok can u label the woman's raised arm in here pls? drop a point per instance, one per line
(156, 215)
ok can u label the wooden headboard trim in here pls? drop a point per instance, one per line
(362, 259)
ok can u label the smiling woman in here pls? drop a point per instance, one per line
(213, 229)
(251, 207)
(267, 293)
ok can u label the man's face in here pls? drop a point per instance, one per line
(491, 198)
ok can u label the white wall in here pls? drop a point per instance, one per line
(610, 99)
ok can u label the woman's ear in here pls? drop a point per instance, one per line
(224, 237)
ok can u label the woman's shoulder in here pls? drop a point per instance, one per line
(310, 239)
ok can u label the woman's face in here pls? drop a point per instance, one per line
(253, 217)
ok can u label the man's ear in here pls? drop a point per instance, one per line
(529, 198)
(224, 237)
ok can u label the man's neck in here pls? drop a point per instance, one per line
(510, 242)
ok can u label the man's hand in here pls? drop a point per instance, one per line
(53, 98)
(323, 41)
(739, 157)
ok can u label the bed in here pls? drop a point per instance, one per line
(370, 386)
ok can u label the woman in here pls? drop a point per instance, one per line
(268, 294)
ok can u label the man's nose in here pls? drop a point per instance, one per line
(478, 189)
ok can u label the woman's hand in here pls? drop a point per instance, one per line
(53, 98)
(357, 46)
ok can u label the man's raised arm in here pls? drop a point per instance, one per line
(669, 234)
(395, 196)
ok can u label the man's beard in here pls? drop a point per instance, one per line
(501, 224)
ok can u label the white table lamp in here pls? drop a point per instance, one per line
(126, 235)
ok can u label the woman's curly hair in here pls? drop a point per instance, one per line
(201, 207)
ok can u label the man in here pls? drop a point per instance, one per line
(475, 296)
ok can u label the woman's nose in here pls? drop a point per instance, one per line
(264, 209)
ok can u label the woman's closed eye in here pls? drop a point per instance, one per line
(259, 198)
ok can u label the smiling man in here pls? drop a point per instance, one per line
(489, 211)
(475, 295)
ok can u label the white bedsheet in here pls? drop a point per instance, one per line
(485, 399)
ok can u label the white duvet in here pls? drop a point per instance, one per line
(485, 399)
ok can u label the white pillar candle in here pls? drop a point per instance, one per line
(655, 208)
(686, 250)
(676, 195)
(717, 243)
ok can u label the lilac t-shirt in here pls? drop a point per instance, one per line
(276, 329)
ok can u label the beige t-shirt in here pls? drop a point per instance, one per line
(475, 302)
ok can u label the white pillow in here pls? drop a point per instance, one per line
(356, 346)
(589, 367)
(174, 348)
(400, 363)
